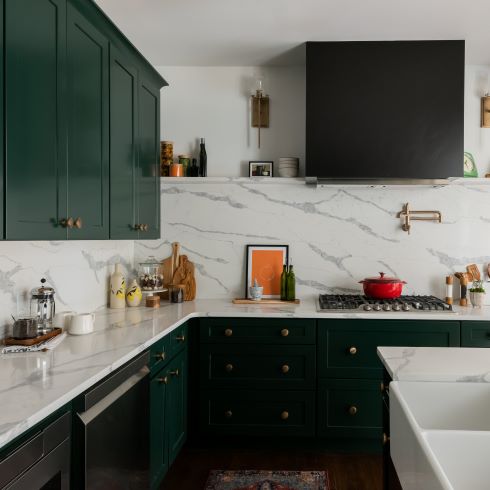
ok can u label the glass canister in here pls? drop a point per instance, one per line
(150, 275)
(185, 161)
(166, 157)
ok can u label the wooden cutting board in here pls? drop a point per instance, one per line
(170, 265)
(185, 275)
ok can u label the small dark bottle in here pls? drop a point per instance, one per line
(194, 169)
(291, 284)
(203, 160)
(284, 279)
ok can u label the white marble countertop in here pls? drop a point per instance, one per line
(33, 385)
(458, 364)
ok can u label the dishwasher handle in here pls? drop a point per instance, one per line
(120, 377)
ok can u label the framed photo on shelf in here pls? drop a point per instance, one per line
(260, 169)
(264, 263)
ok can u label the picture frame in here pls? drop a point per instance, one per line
(265, 263)
(266, 168)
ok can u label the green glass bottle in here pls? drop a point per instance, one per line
(284, 283)
(291, 284)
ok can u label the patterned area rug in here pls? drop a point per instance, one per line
(267, 480)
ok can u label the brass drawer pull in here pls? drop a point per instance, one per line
(386, 439)
(352, 410)
(284, 332)
(160, 356)
(285, 369)
(78, 223)
(180, 338)
(284, 415)
(67, 223)
(353, 351)
(229, 368)
(163, 380)
(228, 332)
(228, 414)
(174, 373)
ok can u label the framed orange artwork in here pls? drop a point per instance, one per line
(264, 263)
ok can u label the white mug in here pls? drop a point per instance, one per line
(82, 324)
(62, 319)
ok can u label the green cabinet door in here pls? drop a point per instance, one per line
(159, 423)
(475, 334)
(35, 64)
(88, 128)
(148, 184)
(176, 404)
(123, 132)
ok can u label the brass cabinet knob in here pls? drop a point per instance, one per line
(136, 227)
(67, 223)
(353, 351)
(285, 369)
(163, 380)
(352, 410)
(228, 414)
(382, 387)
(78, 223)
(160, 356)
(180, 338)
(144, 227)
(284, 415)
(174, 373)
(284, 332)
(386, 439)
(229, 368)
(228, 332)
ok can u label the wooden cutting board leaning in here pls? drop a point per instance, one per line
(178, 269)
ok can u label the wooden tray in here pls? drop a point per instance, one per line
(266, 301)
(34, 341)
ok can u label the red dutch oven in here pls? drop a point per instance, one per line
(382, 287)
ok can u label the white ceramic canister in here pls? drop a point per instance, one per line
(82, 324)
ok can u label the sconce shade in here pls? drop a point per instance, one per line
(260, 111)
(485, 111)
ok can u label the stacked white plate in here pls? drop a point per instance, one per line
(288, 167)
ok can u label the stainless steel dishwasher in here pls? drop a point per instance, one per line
(111, 431)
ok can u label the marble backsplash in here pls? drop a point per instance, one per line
(337, 236)
(78, 270)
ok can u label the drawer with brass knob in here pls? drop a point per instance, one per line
(177, 339)
(257, 412)
(259, 366)
(349, 408)
(278, 331)
(159, 354)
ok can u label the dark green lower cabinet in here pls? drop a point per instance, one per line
(349, 408)
(168, 419)
(475, 334)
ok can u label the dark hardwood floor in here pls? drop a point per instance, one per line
(346, 471)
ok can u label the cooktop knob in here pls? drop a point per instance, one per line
(367, 308)
(396, 307)
(377, 307)
(387, 307)
(405, 307)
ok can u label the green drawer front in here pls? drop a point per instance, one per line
(159, 354)
(257, 330)
(262, 413)
(349, 408)
(178, 339)
(347, 348)
(258, 366)
(475, 334)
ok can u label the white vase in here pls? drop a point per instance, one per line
(477, 299)
(134, 295)
(117, 288)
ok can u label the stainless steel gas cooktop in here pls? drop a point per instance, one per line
(331, 303)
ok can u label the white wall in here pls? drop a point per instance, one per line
(214, 102)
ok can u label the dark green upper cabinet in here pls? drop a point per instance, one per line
(88, 128)
(35, 64)
(124, 117)
(148, 159)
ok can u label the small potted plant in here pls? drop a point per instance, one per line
(477, 294)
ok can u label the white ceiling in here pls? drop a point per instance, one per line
(261, 32)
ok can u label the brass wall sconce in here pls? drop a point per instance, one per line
(408, 216)
(260, 107)
(485, 111)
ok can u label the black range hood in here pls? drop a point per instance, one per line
(384, 112)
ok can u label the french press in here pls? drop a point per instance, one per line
(43, 307)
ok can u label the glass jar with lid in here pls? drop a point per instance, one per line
(150, 276)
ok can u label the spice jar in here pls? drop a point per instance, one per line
(177, 293)
(176, 170)
(166, 157)
(185, 161)
(150, 275)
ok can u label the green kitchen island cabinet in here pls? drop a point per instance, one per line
(67, 150)
(475, 334)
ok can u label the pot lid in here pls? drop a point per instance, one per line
(383, 279)
(43, 292)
